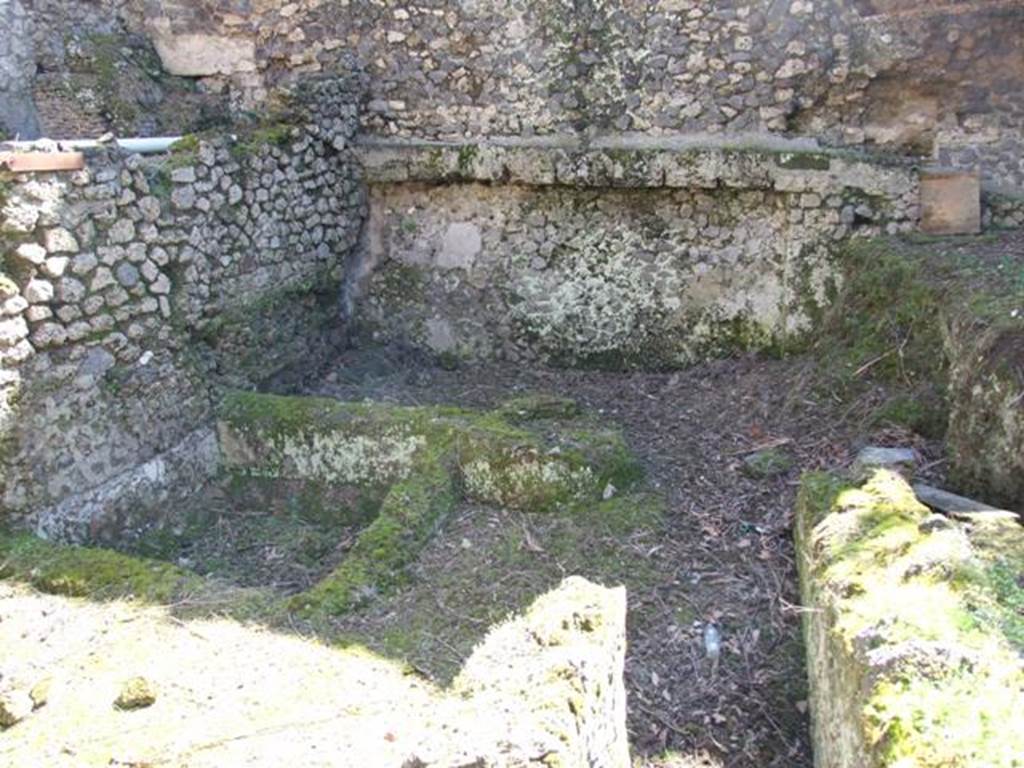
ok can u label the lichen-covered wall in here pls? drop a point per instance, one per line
(653, 256)
(135, 290)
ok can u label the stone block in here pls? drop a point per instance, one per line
(950, 203)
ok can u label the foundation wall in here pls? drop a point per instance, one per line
(135, 290)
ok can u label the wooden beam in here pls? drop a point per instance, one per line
(28, 162)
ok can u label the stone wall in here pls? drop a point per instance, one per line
(17, 67)
(649, 254)
(134, 290)
(940, 81)
(911, 625)
(1002, 211)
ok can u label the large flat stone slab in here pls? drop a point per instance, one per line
(950, 203)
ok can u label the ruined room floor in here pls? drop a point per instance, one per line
(722, 555)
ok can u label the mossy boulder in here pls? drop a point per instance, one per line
(913, 637)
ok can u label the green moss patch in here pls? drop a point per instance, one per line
(913, 627)
(90, 572)
(770, 462)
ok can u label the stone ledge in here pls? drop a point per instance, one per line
(757, 163)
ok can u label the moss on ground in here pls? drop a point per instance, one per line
(923, 624)
(408, 517)
(91, 572)
(504, 563)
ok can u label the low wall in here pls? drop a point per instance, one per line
(134, 290)
(648, 253)
(912, 628)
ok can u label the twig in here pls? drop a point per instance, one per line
(762, 446)
(874, 361)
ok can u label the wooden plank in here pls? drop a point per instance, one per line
(960, 507)
(27, 162)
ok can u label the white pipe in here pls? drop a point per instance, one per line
(139, 146)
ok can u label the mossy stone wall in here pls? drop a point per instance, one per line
(913, 638)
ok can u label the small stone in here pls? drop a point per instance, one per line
(161, 285)
(183, 175)
(874, 456)
(770, 462)
(31, 252)
(68, 313)
(12, 331)
(101, 279)
(150, 271)
(40, 693)
(39, 291)
(136, 693)
(123, 231)
(15, 305)
(60, 241)
(183, 198)
(127, 274)
(70, 290)
(38, 312)
(14, 707)
(150, 208)
(83, 263)
(55, 266)
(49, 335)
(934, 523)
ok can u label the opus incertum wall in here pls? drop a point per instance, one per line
(634, 253)
(133, 291)
(940, 81)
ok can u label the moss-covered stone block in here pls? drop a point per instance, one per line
(534, 454)
(913, 656)
(408, 516)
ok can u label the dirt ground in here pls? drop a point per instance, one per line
(722, 555)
